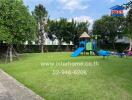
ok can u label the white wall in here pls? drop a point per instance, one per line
(123, 40)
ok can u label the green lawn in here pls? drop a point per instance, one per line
(110, 80)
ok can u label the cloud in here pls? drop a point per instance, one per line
(109, 1)
(70, 5)
(84, 19)
(112, 1)
(73, 5)
(36, 2)
(81, 19)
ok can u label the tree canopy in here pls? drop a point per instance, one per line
(109, 27)
(128, 29)
(40, 13)
(17, 25)
(67, 31)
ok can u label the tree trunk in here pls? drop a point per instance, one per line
(10, 53)
(42, 43)
(130, 47)
(42, 36)
(67, 47)
(59, 46)
(52, 42)
(42, 48)
(52, 46)
(113, 43)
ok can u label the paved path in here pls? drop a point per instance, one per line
(10, 89)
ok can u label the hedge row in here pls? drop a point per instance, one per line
(54, 48)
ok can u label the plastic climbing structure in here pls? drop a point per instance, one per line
(86, 45)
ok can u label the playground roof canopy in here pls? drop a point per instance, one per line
(85, 35)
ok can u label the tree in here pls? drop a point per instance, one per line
(99, 28)
(66, 31)
(128, 29)
(16, 23)
(59, 31)
(109, 27)
(40, 13)
(78, 29)
(72, 29)
(57, 28)
(51, 30)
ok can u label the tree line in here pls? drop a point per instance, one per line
(109, 27)
(61, 29)
(18, 25)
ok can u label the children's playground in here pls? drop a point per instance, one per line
(86, 44)
(89, 45)
(87, 73)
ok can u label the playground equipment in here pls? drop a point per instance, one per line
(88, 45)
(125, 53)
(85, 45)
(104, 53)
(128, 51)
(121, 54)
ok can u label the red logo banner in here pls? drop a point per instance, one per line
(117, 11)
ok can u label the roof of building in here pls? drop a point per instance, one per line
(117, 7)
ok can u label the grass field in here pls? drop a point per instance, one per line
(50, 77)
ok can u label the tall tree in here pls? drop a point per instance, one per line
(109, 27)
(66, 31)
(58, 28)
(41, 14)
(16, 23)
(51, 30)
(99, 28)
(59, 33)
(80, 27)
(128, 29)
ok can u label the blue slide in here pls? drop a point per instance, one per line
(77, 52)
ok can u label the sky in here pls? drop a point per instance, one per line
(80, 10)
